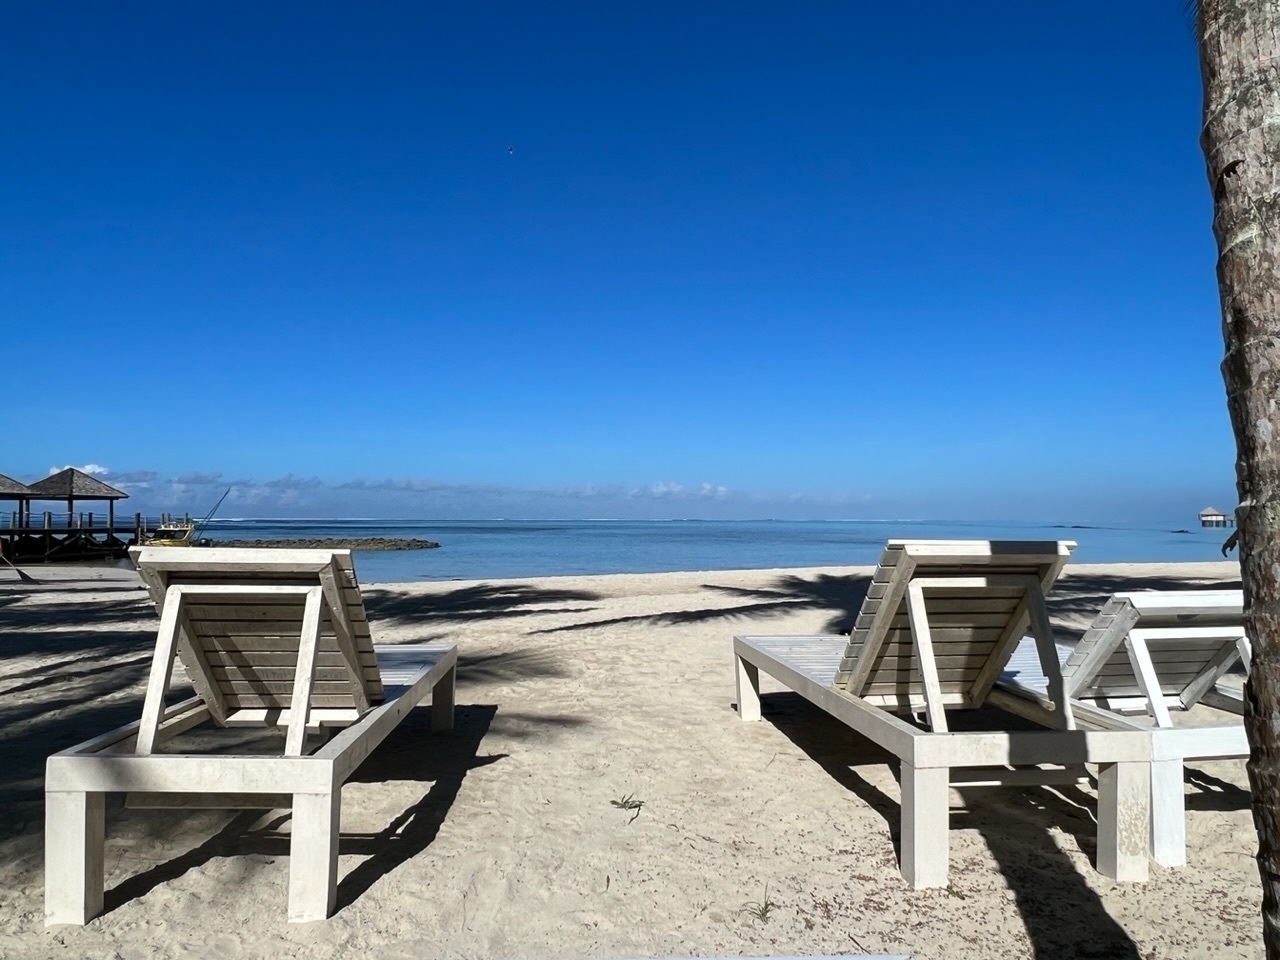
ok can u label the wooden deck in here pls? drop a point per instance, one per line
(72, 537)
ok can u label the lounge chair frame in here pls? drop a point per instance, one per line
(126, 760)
(1157, 653)
(837, 674)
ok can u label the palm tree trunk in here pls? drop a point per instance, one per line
(1239, 61)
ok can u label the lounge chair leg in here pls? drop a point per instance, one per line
(925, 825)
(1124, 820)
(74, 833)
(1168, 814)
(313, 855)
(442, 695)
(748, 678)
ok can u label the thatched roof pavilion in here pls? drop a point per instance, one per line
(11, 489)
(72, 485)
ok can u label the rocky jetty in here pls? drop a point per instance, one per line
(335, 543)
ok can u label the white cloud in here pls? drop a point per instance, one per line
(659, 491)
(198, 479)
(292, 495)
(89, 468)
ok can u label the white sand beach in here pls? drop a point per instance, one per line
(502, 839)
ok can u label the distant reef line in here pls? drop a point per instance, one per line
(334, 543)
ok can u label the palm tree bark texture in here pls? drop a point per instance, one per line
(1239, 43)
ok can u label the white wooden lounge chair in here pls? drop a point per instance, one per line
(939, 621)
(269, 638)
(1152, 653)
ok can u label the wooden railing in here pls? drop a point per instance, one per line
(86, 521)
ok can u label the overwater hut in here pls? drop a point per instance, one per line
(1213, 517)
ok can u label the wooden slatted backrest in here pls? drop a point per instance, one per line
(1100, 666)
(246, 647)
(974, 629)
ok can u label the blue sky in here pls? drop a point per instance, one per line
(721, 260)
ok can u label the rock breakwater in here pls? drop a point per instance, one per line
(335, 543)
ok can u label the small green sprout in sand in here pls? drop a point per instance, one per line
(629, 802)
(760, 909)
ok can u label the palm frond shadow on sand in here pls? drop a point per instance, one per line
(1073, 597)
(87, 682)
(483, 601)
(1016, 825)
(410, 753)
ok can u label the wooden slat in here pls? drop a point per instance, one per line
(942, 610)
(271, 660)
(210, 578)
(336, 673)
(885, 694)
(282, 689)
(252, 643)
(1190, 651)
(945, 662)
(262, 717)
(998, 618)
(251, 701)
(952, 678)
(199, 670)
(256, 627)
(1169, 666)
(1015, 627)
(950, 636)
(244, 611)
(1171, 682)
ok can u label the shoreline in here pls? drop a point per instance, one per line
(1218, 570)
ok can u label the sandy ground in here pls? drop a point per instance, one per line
(503, 839)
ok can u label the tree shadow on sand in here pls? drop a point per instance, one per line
(1074, 596)
(484, 601)
(70, 612)
(88, 682)
(410, 753)
(786, 594)
(1015, 823)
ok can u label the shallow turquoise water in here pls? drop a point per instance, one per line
(473, 550)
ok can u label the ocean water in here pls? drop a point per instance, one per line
(476, 550)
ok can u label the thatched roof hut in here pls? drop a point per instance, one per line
(11, 489)
(71, 485)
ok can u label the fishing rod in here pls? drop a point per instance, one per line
(209, 516)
